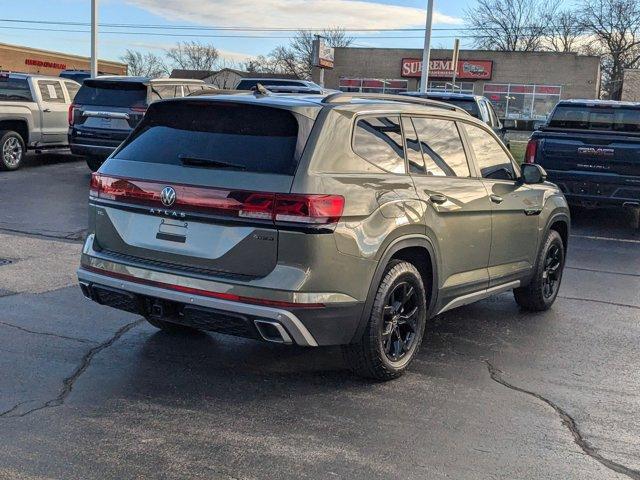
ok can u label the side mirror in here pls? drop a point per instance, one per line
(533, 174)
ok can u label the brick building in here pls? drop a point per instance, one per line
(631, 85)
(15, 58)
(523, 86)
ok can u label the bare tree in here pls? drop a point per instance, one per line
(614, 26)
(510, 25)
(297, 57)
(193, 56)
(564, 32)
(144, 64)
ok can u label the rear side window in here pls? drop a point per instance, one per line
(442, 148)
(584, 117)
(164, 92)
(492, 160)
(379, 141)
(112, 94)
(15, 89)
(218, 135)
(51, 92)
(72, 88)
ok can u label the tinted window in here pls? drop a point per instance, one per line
(51, 92)
(442, 147)
(493, 161)
(379, 141)
(14, 89)
(163, 92)
(112, 94)
(220, 135)
(72, 88)
(470, 106)
(414, 153)
(620, 119)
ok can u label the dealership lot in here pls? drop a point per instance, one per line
(90, 392)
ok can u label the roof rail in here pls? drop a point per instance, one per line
(346, 97)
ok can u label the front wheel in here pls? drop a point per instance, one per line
(542, 291)
(12, 150)
(395, 328)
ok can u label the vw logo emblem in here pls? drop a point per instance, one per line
(168, 196)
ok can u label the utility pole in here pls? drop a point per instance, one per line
(94, 38)
(454, 62)
(424, 78)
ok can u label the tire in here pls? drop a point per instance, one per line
(542, 290)
(94, 163)
(383, 356)
(12, 150)
(169, 327)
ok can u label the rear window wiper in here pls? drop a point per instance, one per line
(207, 162)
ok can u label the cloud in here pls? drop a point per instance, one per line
(291, 13)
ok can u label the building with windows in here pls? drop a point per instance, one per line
(14, 58)
(523, 86)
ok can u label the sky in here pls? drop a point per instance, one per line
(196, 14)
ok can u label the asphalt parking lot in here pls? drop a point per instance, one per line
(87, 392)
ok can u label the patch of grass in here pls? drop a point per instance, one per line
(517, 150)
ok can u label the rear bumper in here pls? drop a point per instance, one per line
(584, 188)
(306, 319)
(91, 150)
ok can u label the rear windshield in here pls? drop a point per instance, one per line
(471, 106)
(112, 94)
(607, 118)
(218, 136)
(15, 89)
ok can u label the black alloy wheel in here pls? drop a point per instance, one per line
(552, 271)
(400, 321)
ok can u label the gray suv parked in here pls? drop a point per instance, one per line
(344, 220)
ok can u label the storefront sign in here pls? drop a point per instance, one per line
(323, 54)
(467, 69)
(45, 64)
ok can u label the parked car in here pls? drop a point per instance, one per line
(106, 109)
(77, 75)
(591, 149)
(33, 115)
(343, 220)
(251, 83)
(476, 105)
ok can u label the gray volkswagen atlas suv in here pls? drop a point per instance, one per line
(347, 219)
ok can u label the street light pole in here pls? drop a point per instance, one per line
(94, 38)
(424, 78)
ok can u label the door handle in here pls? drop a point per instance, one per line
(438, 198)
(47, 110)
(496, 199)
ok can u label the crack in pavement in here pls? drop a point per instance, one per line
(75, 237)
(569, 423)
(615, 304)
(68, 383)
(606, 272)
(47, 334)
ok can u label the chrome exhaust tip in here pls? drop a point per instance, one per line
(273, 332)
(86, 291)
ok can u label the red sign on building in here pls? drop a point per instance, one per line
(467, 69)
(45, 64)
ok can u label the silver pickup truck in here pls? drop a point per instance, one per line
(33, 115)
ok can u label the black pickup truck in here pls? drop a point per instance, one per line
(591, 150)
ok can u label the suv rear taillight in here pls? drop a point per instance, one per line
(71, 114)
(531, 151)
(279, 208)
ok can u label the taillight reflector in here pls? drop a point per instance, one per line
(71, 113)
(531, 151)
(276, 207)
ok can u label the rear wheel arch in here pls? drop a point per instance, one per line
(416, 249)
(19, 126)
